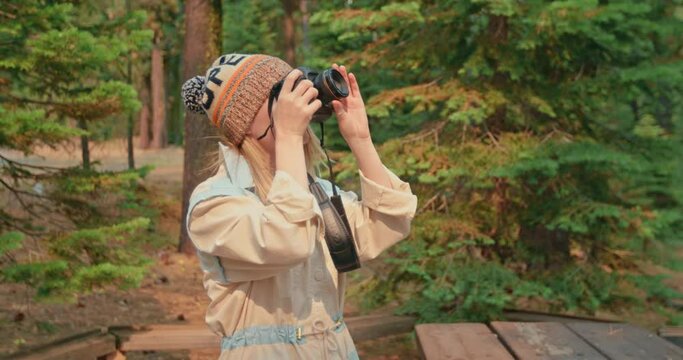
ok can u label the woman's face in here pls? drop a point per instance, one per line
(259, 126)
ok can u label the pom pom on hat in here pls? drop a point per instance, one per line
(192, 93)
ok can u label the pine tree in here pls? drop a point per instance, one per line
(540, 137)
(58, 73)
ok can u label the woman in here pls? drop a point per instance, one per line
(275, 292)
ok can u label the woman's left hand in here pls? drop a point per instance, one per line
(353, 120)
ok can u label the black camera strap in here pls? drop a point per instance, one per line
(338, 235)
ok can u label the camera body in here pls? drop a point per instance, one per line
(330, 84)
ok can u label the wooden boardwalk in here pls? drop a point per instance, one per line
(542, 340)
(114, 342)
(568, 338)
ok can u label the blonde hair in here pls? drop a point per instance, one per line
(259, 164)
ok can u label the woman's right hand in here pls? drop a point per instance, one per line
(292, 113)
(295, 107)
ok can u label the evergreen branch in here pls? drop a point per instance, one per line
(14, 191)
(31, 101)
(23, 192)
(624, 136)
(11, 223)
(29, 208)
(7, 43)
(8, 15)
(20, 164)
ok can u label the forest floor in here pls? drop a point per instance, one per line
(171, 293)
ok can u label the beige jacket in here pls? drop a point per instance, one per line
(274, 290)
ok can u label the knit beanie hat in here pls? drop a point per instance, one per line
(233, 90)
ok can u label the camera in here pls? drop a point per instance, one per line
(330, 85)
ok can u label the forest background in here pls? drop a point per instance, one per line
(543, 139)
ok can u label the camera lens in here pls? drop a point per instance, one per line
(330, 85)
(336, 84)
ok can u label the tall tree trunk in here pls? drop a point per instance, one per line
(143, 117)
(131, 153)
(158, 97)
(131, 121)
(288, 31)
(202, 45)
(173, 100)
(85, 149)
(303, 6)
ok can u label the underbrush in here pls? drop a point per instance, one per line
(107, 224)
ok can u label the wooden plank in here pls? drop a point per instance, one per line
(625, 341)
(86, 347)
(543, 340)
(167, 337)
(199, 336)
(375, 326)
(459, 341)
(538, 316)
(673, 334)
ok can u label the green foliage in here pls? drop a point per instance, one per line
(123, 276)
(655, 289)
(244, 35)
(582, 287)
(22, 129)
(61, 62)
(62, 67)
(10, 241)
(87, 259)
(46, 277)
(107, 98)
(520, 118)
(474, 291)
(76, 181)
(46, 327)
(91, 256)
(95, 246)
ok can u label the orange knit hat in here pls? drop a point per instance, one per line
(233, 90)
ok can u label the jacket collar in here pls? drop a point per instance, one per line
(236, 166)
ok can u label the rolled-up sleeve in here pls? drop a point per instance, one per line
(253, 239)
(382, 217)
